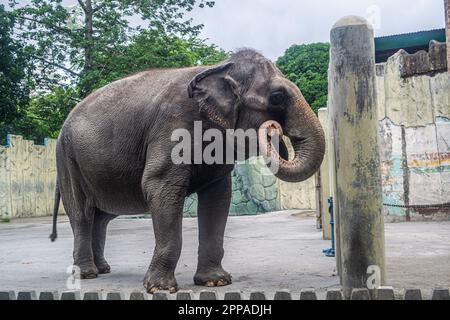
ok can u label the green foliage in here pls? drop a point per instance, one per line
(70, 52)
(14, 81)
(71, 45)
(154, 49)
(307, 66)
(46, 113)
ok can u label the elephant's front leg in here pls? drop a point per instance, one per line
(161, 273)
(213, 208)
(166, 206)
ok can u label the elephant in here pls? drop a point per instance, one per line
(114, 157)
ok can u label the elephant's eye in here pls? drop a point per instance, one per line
(277, 98)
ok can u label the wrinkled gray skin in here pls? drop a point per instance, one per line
(114, 157)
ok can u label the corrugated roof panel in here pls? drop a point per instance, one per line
(407, 40)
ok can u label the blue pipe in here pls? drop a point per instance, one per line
(331, 252)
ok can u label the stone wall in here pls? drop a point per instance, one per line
(28, 175)
(422, 62)
(256, 190)
(414, 115)
(414, 130)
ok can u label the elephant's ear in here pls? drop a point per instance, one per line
(216, 93)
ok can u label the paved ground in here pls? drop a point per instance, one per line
(269, 252)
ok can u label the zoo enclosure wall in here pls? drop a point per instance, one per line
(413, 94)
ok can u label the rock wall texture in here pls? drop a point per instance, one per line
(255, 190)
(28, 175)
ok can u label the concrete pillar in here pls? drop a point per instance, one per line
(332, 178)
(353, 112)
(325, 177)
(447, 28)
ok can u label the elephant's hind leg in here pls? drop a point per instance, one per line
(82, 225)
(101, 220)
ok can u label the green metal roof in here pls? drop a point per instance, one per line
(408, 40)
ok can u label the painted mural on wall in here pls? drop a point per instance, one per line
(414, 114)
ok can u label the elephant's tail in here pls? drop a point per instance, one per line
(54, 234)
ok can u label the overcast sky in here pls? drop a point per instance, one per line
(271, 26)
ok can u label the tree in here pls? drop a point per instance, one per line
(73, 51)
(154, 49)
(307, 66)
(15, 85)
(45, 114)
(70, 45)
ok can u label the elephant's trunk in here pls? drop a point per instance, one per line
(307, 137)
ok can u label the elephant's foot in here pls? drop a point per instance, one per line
(213, 278)
(102, 266)
(88, 271)
(154, 282)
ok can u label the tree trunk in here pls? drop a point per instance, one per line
(88, 45)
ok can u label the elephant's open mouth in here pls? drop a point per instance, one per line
(270, 137)
(305, 162)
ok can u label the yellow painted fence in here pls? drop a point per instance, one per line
(27, 178)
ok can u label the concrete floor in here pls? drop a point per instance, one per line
(268, 253)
